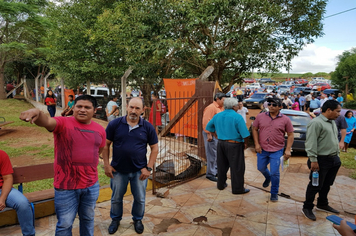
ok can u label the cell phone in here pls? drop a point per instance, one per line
(336, 220)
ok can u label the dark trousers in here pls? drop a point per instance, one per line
(231, 155)
(307, 105)
(51, 110)
(328, 168)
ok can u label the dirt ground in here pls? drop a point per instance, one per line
(33, 136)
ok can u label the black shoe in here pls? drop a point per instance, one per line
(225, 185)
(245, 191)
(327, 209)
(266, 183)
(114, 226)
(308, 213)
(212, 178)
(138, 226)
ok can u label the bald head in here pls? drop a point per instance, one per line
(136, 101)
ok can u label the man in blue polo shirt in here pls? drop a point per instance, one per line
(232, 135)
(130, 135)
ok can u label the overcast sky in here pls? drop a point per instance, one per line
(339, 35)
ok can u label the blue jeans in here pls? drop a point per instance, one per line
(19, 202)
(68, 203)
(211, 155)
(273, 158)
(51, 110)
(118, 185)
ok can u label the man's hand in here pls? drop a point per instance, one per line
(314, 166)
(2, 204)
(209, 137)
(344, 229)
(108, 171)
(258, 148)
(30, 115)
(341, 145)
(287, 155)
(144, 174)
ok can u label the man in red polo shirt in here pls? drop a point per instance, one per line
(268, 133)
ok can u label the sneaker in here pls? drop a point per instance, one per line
(308, 213)
(138, 226)
(113, 226)
(266, 183)
(327, 209)
(274, 197)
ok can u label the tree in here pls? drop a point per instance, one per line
(74, 53)
(236, 36)
(21, 30)
(321, 74)
(345, 71)
(307, 75)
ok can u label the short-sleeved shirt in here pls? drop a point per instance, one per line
(130, 144)
(50, 100)
(70, 104)
(209, 112)
(340, 124)
(110, 105)
(314, 103)
(76, 148)
(272, 131)
(243, 112)
(302, 100)
(5, 166)
(228, 125)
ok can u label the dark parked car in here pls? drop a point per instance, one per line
(266, 80)
(256, 100)
(334, 91)
(300, 120)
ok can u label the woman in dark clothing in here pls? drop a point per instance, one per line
(50, 101)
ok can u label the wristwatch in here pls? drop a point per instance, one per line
(149, 168)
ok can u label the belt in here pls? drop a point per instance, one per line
(229, 141)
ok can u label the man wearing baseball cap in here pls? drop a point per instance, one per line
(268, 133)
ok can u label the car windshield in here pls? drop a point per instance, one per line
(258, 95)
(299, 120)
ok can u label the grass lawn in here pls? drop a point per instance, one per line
(11, 109)
(348, 160)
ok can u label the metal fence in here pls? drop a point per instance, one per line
(181, 154)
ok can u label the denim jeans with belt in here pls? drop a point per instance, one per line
(119, 186)
(68, 203)
(273, 158)
(17, 201)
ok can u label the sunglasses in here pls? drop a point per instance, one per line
(272, 104)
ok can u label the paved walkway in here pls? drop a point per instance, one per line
(198, 208)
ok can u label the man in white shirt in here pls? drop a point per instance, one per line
(323, 98)
(243, 111)
(287, 103)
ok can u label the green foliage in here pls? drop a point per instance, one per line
(350, 105)
(345, 71)
(307, 75)
(21, 30)
(103, 179)
(348, 161)
(321, 74)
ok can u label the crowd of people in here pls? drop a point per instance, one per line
(225, 137)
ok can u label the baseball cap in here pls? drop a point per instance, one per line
(275, 100)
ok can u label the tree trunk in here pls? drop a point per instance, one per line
(146, 90)
(2, 84)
